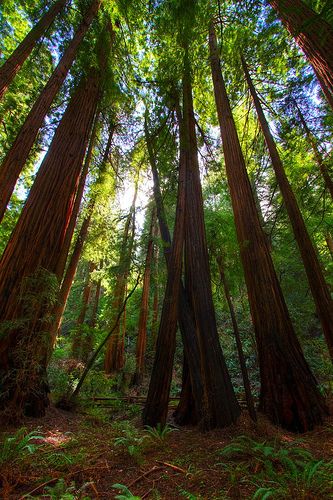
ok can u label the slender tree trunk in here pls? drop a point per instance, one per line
(78, 338)
(76, 208)
(221, 406)
(318, 286)
(289, 393)
(314, 35)
(13, 64)
(143, 317)
(154, 321)
(35, 245)
(185, 319)
(15, 159)
(67, 282)
(318, 156)
(114, 358)
(156, 407)
(88, 341)
(242, 362)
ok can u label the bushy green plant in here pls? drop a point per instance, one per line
(160, 432)
(130, 439)
(125, 493)
(62, 491)
(279, 471)
(19, 445)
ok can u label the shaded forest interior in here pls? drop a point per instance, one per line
(166, 249)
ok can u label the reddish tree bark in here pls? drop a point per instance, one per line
(314, 35)
(35, 245)
(13, 64)
(156, 407)
(220, 404)
(114, 356)
(319, 289)
(16, 157)
(289, 393)
(241, 357)
(141, 342)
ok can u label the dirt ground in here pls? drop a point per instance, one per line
(81, 450)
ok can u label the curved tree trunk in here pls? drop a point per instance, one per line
(16, 157)
(13, 64)
(34, 247)
(319, 289)
(289, 393)
(314, 35)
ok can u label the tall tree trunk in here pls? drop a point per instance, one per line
(67, 282)
(16, 157)
(318, 286)
(241, 357)
(289, 393)
(185, 319)
(35, 245)
(221, 406)
(156, 407)
(114, 358)
(78, 199)
(141, 342)
(78, 338)
(154, 320)
(13, 64)
(314, 35)
(317, 154)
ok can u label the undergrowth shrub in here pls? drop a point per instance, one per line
(277, 470)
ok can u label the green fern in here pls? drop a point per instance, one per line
(18, 446)
(125, 493)
(160, 432)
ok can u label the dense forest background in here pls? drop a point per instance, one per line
(166, 231)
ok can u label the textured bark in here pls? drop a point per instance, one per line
(114, 356)
(289, 393)
(15, 159)
(78, 199)
(220, 404)
(314, 35)
(13, 64)
(156, 407)
(67, 282)
(185, 413)
(185, 318)
(35, 245)
(241, 357)
(143, 317)
(319, 289)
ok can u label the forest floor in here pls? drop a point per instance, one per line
(82, 455)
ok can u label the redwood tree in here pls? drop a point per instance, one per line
(33, 250)
(143, 317)
(289, 393)
(319, 289)
(13, 64)
(16, 157)
(314, 35)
